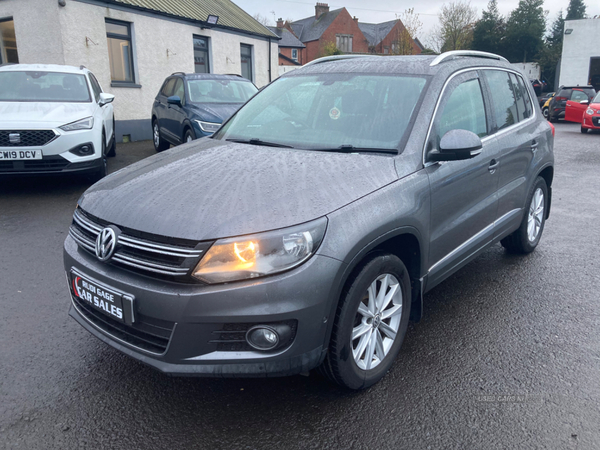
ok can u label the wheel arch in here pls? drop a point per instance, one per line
(406, 244)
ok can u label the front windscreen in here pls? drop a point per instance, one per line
(329, 111)
(220, 91)
(43, 87)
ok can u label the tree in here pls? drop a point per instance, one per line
(329, 49)
(525, 31)
(455, 30)
(490, 30)
(263, 20)
(576, 10)
(410, 25)
(552, 51)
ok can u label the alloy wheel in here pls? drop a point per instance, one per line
(377, 322)
(156, 135)
(536, 215)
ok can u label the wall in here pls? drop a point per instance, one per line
(531, 70)
(578, 48)
(38, 37)
(392, 37)
(287, 51)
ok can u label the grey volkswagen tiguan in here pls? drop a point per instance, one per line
(306, 230)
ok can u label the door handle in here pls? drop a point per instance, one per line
(493, 165)
(534, 145)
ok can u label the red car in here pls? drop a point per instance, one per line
(584, 112)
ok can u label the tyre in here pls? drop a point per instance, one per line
(526, 238)
(112, 150)
(584, 130)
(545, 113)
(370, 323)
(553, 119)
(159, 143)
(188, 136)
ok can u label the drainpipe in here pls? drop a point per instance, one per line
(269, 60)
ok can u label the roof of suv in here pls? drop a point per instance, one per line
(42, 68)
(210, 76)
(448, 62)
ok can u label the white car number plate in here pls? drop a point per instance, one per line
(17, 155)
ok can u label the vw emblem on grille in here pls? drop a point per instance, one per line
(14, 138)
(106, 243)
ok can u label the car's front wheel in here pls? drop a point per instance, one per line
(370, 323)
(189, 136)
(584, 130)
(159, 143)
(545, 112)
(112, 150)
(526, 238)
(102, 171)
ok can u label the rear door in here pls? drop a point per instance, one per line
(517, 132)
(464, 198)
(575, 109)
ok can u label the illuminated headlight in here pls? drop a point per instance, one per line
(590, 111)
(261, 254)
(83, 124)
(208, 127)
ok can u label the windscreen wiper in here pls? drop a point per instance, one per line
(353, 149)
(255, 141)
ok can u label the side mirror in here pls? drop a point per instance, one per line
(105, 98)
(457, 145)
(174, 100)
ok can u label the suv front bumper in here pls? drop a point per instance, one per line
(197, 314)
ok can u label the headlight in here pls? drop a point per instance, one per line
(208, 127)
(260, 254)
(83, 124)
(589, 111)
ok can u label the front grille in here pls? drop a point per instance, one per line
(232, 337)
(147, 256)
(26, 138)
(148, 334)
(596, 121)
(48, 164)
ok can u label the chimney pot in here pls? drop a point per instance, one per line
(280, 23)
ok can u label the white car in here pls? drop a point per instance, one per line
(54, 119)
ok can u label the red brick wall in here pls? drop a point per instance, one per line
(287, 51)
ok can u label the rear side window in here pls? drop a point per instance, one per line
(503, 98)
(167, 89)
(523, 101)
(579, 96)
(464, 110)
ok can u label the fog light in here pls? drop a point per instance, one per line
(83, 150)
(262, 337)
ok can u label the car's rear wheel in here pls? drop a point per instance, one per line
(370, 323)
(526, 238)
(159, 143)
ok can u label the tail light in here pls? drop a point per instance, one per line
(552, 128)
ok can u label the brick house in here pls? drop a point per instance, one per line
(337, 27)
(387, 37)
(291, 50)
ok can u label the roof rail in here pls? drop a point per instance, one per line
(177, 73)
(336, 58)
(447, 56)
(81, 67)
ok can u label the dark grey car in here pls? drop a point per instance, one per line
(305, 232)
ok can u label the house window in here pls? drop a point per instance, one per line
(344, 42)
(120, 54)
(246, 57)
(295, 54)
(201, 62)
(386, 50)
(8, 42)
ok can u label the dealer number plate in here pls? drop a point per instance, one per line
(18, 155)
(98, 297)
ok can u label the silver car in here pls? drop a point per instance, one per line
(306, 230)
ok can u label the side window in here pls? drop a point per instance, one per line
(464, 110)
(167, 89)
(95, 86)
(179, 90)
(503, 98)
(523, 114)
(578, 96)
(526, 97)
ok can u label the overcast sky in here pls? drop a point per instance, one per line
(384, 10)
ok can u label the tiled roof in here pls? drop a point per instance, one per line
(287, 38)
(230, 15)
(376, 32)
(311, 29)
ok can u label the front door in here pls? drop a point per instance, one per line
(575, 109)
(463, 193)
